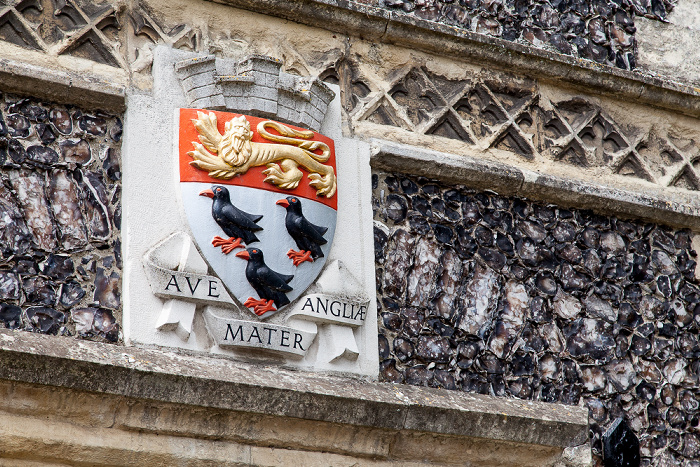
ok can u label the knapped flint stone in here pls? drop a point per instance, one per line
(418, 376)
(494, 258)
(61, 121)
(592, 262)
(58, 267)
(9, 285)
(403, 350)
(691, 446)
(92, 125)
(571, 253)
(590, 238)
(44, 319)
(688, 401)
(408, 186)
(470, 211)
(523, 364)
(675, 371)
(413, 320)
(640, 345)
(621, 374)
(620, 446)
(418, 223)
(396, 208)
(589, 337)
(383, 347)
(489, 363)
(596, 409)
(521, 388)
(16, 151)
(380, 239)
(466, 245)
(18, 125)
(600, 308)
(570, 279)
(29, 186)
(433, 349)
(664, 286)
(83, 318)
(71, 294)
(65, 205)
(528, 252)
(107, 289)
(42, 156)
(444, 379)
(539, 311)
(98, 214)
(422, 278)
(399, 257)
(549, 366)
(389, 372)
(547, 284)
(448, 283)
(105, 325)
(443, 234)
(531, 340)
(45, 133)
(39, 291)
(11, 315)
(566, 306)
(552, 337)
(115, 132)
(76, 151)
(593, 378)
(532, 230)
(480, 301)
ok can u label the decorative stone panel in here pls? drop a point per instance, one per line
(511, 114)
(484, 293)
(60, 216)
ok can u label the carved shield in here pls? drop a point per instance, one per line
(261, 200)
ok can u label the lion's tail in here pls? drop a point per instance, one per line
(299, 138)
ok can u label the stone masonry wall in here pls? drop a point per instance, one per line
(598, 30)
(482, 293)
(60, 215)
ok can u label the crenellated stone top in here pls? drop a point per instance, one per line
(257, 87)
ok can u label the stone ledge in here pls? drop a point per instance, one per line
(511, 181)
(79, 88)
(223, 384)
(375, 24)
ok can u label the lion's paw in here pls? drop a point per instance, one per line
(287, 180)
(325, 184)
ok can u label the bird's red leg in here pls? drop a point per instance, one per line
(299, 257)
(227, 246)
(260, 307)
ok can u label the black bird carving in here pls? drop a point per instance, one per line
(308, 237)
(238, 225)
(270, 285)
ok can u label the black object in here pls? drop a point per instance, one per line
(620, 446)
(234, 222)
(308, 237)
(269, 285)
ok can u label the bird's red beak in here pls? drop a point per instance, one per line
(243, 254)
(207, 193)
(283, 202)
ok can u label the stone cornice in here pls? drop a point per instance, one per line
(679, 210)
(375, 24)
(223, 384)
(80, 88)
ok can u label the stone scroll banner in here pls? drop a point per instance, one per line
(228, 332)
(177, 274)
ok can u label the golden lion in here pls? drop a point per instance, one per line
(233, 153)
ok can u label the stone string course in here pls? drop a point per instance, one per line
(597, 30)
(482, 293)
(60, 215)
